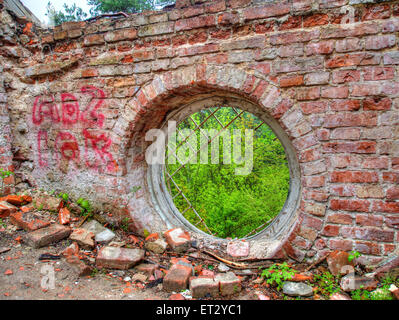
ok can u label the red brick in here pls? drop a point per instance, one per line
(368, 247)
(43, 237)
(380, 42)
(177, 278)
(238, 249)
(316, 196)
(344, 245)
(364, 90)
(312, 93)
(293, 22)
(28, 221)
(314, 107)
(64, 216)
(330, 231)
(371, 234)
(314, 181)
(340, 218)
(292, 37)
(350, 147)
(393, 193)
(204, 286)
(355, 59)
(373, 12)
(95, 39)
(178, 239)
(350, 205)
(196, 22)
(375, 163)
(335, 92)
(354, 177)
(378, 73)
(348, 45)
(6, 209)
(315, 20)
(392, 221)
(238, 3)
(229, 284)
(370, 191)
(267, 11)
(369, 220)
(377, 103)
(337, 260)
(291, 81)
(364, 119)
(345, 105)
(391, 177)
(343, 191)
(345, 134)
(322, 47)
(343, 76)
(119, 258)
(382, 206)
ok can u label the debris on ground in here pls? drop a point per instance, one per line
(52, 231)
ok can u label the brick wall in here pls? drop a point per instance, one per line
(87, 92)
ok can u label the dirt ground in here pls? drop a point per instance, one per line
(27, 279)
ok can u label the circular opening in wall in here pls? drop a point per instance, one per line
(229, 171)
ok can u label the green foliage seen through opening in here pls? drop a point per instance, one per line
(231, 205)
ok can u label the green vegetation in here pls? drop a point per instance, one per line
(85, 205)
(98, 7)
(3, 175)
(277, 274)
(70, 13)
(2, 223)
(231, 205)
(327, 283)
(382, 293)
(353, 255)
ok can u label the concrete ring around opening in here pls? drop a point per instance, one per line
(266, 242)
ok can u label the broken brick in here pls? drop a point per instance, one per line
(83, 237)
(45, 236)
(28, 221)
(177, 278)
(64, 216)
(178, 239)
(229, 283)
(119, 258)
(238, 249)
(203, 286)
(6, 209)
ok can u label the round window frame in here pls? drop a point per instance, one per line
(162, 199)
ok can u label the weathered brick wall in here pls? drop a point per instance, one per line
(83, 96)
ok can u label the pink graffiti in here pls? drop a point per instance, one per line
(100, 144)
(66, 146)
(70, 109)
(42, 135)
(44, 109)
(95, 103)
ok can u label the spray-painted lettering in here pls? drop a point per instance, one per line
(69, 115)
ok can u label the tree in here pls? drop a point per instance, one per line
(128, 6)
(98, 7)
(72, 13)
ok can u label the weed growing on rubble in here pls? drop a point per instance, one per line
(85, 205)
(278, 273)
(3, 175)
(353, 255)
(327, 283)
(2, 223)
(125, 224)
(382, 293)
